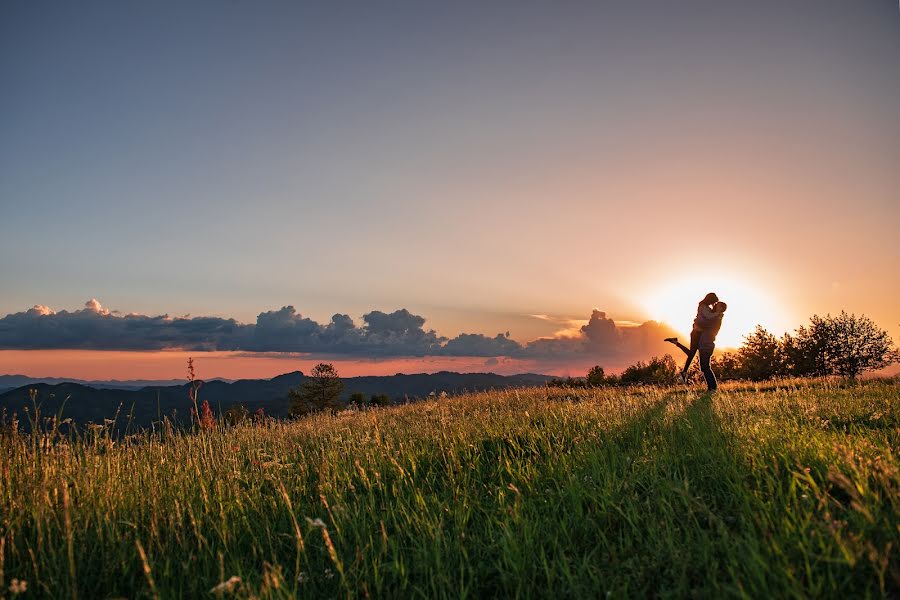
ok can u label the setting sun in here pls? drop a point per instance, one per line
(676, 305)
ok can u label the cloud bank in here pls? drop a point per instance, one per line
(395, 334)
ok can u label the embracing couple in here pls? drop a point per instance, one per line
(703, 338)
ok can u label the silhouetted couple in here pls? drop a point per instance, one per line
(703, 338)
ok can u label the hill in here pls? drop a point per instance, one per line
(779, 490)
(86, 403)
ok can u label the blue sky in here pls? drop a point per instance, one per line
(475, 164)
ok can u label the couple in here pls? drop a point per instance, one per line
(703, 338)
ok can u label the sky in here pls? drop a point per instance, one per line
(389, 186)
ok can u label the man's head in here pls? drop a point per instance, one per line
(720, 307)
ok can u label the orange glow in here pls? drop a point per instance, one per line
(122, 365)
(675, 303)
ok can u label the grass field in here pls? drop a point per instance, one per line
(787, 490)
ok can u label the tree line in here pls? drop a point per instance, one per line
(844, 345)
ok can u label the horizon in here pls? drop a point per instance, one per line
(508, 188)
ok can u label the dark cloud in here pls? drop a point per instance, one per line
(476, 344)
(398, 333)
(96, 328)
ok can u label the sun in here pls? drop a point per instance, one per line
(675, 304)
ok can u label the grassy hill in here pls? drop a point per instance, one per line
(786, 490)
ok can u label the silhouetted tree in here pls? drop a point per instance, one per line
(761, 355)
(726, 365)
(380, 400)
(854, 344)
(358, 398)
(801, 355)
(595, 377)
(568, 382)
(658, 370)
(320, 391)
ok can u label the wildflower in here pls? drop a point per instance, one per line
(315, 522)
(18, 586)
(302, 577)
(329, 573)
(226, 587)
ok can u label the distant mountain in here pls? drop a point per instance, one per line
(86, 403)
(9, 382)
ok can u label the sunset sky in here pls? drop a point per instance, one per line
(564, 172)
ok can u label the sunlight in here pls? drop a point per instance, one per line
(675, 304)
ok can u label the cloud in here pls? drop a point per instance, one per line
(476, 344)
(381, 334)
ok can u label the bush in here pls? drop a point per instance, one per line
(660, 370)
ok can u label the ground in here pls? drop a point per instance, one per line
(781, 489)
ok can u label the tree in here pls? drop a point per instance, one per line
(595, 377)
(726, 365)
(853, 345)
(761, 355)
(380, 400)
(658, 370)
(358, 398)
(800, 354)
(320, 391)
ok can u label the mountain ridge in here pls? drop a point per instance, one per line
(85, 403)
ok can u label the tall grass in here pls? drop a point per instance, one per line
(790, 489)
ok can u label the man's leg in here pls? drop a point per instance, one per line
(711, 383)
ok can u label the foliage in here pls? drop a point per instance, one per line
(595, 377)
(568, 382)
(320, 391)
(761, 356)
(358, 399)
(726, 365)
(788, 489)
(853, 344)
(659, 370)
(235, 415)
(380, 400)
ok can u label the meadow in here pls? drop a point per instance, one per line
(785, 489)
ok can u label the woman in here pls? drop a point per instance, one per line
(703, 338)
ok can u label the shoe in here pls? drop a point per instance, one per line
(673, 340)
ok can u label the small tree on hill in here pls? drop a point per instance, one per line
(320, 391)
(761, 355)
(595, 377)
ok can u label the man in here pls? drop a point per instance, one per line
(708, 344)
(703, 338)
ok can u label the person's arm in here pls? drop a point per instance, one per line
(707, 317)
(706, 312)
